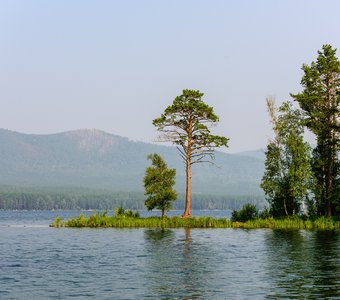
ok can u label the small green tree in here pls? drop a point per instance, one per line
(287, 166)
(158, 183)
(186, 124)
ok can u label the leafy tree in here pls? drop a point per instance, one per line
(186, 124)
(287, 166)
(158, 183)
(320, 100)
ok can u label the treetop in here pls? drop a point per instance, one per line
(188, 105)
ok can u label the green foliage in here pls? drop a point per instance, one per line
(186, 124)
(311, 207)
(120, 212)
(265, 213)
(320, 102)
(246, 213)
(58, 222)
(158, 183)
(287, 167)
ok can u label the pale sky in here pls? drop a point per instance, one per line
(116, 65)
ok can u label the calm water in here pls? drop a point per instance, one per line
(37, 262)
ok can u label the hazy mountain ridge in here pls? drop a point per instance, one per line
(259, 154)
(96, 159)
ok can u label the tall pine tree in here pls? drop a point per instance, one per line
(320, 100)
(186, 123)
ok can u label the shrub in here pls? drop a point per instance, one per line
(265, 213)
(247, 212)
(58, 222)
(131, 214)
(120, 212)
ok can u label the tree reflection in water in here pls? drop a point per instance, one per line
(303, 263)
(326, 259)
(176, 264)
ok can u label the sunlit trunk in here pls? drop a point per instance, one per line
(188, 173)
(188, 190)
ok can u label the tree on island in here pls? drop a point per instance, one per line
(158, 183)
(186, 124)
(320, 100)
(287, 166)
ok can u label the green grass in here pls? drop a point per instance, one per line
(95, 221)
(321, 223)
(103, 221)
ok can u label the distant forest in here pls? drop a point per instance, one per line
(66, 198)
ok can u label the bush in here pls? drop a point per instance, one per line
(58, 222)
(120, 212)
(265, 213)
(247, 212)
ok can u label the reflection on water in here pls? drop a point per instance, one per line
(326, 258)
(303, 263)
(198, 264)
(175, 264)
(159, 257)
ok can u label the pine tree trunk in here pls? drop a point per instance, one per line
(188, 190)
(328, 212)
(329, 151)
(333, 149)
(188, 173)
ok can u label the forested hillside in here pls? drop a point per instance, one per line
(91, 169)
(95, 159)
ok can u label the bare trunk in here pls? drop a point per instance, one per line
(285, 206)
(329, 168)
(163, 213)
(329, 153)
(188, 173)
(188, 190)
(333, 155)
(335, 141)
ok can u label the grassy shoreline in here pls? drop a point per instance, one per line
(103, 221)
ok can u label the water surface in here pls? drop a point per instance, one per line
(38, 262)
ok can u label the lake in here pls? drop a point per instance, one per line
(38, 262)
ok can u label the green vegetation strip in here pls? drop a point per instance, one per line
(100, 221)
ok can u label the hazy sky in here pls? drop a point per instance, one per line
(116, 65)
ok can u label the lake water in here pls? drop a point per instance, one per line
(38, 262)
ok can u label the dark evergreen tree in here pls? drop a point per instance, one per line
(319, 101)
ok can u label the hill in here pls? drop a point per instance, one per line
(99, 160)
